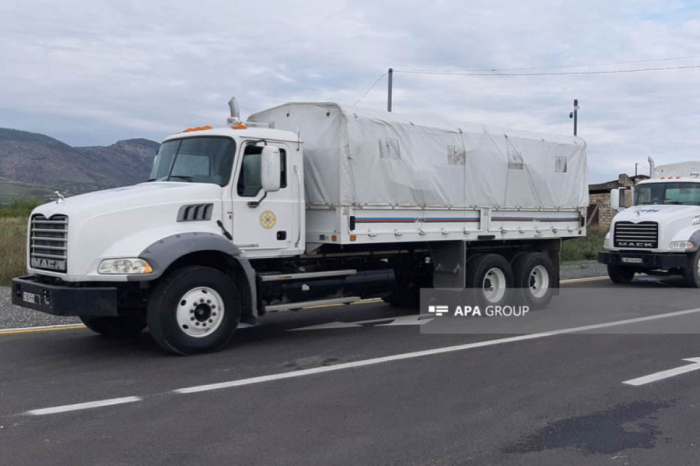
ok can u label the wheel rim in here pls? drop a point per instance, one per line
(494, 285)
(200, 312)
(538, 281)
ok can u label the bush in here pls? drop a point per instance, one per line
(584, 248)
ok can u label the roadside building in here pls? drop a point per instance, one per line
(600, 214)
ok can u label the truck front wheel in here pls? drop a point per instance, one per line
(194, 309)
(117, 326)
(619, 274)
(691, 272)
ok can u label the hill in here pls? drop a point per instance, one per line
(40, 161)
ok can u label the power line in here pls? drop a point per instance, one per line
(491, 70)
(563, 73)
(370, 88)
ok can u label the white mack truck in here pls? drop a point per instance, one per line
(660, 233)
(308, 204)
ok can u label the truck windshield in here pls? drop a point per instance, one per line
(667, 193)
(195, 160)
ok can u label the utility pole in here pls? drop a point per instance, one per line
(391, 84)
(574, 115)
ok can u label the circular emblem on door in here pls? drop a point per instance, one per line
(268, 219)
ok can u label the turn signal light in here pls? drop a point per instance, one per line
(353, 238)
(239, 126)
(197, 128)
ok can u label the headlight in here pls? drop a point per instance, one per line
(124, 266)
(682, 245)
(696, 220)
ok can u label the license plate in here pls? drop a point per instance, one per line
(632, 260)
(30, 297)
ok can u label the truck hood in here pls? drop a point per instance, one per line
(127, 197)
(657, 213)
(122, 222)
(674, 224)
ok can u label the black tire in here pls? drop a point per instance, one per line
(691, 274)
(116, 327)
(478, 267)
(534, 275)
(619, 274)
(167, 300)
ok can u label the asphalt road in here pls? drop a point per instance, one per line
(371, 393)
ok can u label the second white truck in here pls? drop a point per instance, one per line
(308, 204)
(660, 232)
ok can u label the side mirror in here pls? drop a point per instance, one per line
(270, 172)
(615, 199)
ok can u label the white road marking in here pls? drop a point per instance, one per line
(329, 325)
(666, 374)
(79, 406)
(389, 321)
(409, 320)
(419, 354)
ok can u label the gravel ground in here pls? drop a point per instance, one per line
(583, 269)
(17, 317)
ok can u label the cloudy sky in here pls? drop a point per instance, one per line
(93, 72)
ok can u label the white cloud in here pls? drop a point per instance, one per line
(93, 72)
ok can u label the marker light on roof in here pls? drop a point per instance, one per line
(197, 128)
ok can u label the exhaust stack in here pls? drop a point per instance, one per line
(652, 168)
(235, 118)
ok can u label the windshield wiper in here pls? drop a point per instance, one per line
(182, 177)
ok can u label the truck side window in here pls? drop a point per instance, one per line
(249, 183)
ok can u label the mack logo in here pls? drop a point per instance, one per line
(49, 264)
(635, 244)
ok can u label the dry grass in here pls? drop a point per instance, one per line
(13, 240)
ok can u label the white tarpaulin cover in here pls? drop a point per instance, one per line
(355, 156)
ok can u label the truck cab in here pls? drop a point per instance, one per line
(216, 201)
(660, 232)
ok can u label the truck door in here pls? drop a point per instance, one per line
(265, 224)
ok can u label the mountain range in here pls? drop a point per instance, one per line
(32, 162)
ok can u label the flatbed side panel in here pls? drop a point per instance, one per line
(347, 225)
(562, 222)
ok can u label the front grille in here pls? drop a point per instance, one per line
(642, 235)
(49, 243)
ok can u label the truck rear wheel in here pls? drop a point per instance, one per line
(194, 309)
(490, 278)
(619, 274)
(116, 326)
(533, 276)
